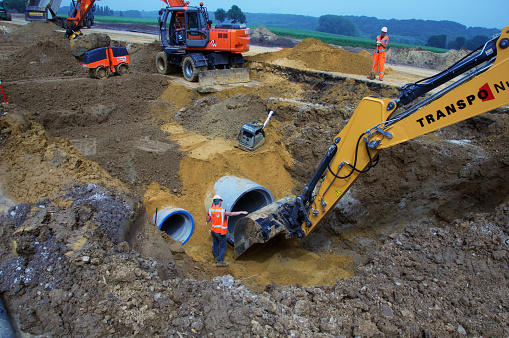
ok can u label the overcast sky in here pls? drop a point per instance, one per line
(488, 13)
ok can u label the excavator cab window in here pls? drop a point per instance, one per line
(192, 21)
(175, 28)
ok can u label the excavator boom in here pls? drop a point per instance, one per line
(76, 19)
(378, 124)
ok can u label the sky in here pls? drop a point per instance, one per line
(487, 13)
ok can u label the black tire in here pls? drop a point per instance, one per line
(190, 71)
(91, 73)
(101, 72)
(59, 22)
(123, 69)
(162, 63)
(88, 24)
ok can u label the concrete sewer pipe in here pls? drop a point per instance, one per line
(177, 223)
(239, 194)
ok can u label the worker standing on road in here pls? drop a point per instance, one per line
(219, 219)
(382, 42)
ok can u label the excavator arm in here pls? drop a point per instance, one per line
(380, 123)
(176, 3)
(76, 19)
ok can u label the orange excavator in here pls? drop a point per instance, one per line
(210, 55)
(75, 21)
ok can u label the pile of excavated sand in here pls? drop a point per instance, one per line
(422, 58)
(261, 36)
(143, 57)
(46, 58)
(50, 55)
(37, 29)
(316, 55)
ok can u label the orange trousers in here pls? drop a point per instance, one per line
(379, 62)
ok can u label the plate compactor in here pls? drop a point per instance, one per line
(252, 135)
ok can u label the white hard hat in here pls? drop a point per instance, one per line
(384, 29)
(217, 197)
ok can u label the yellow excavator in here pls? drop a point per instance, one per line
(380, 123)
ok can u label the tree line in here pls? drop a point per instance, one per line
(418, 32)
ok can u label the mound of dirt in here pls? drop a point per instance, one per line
(37, 29)
(222, 118)
(314, 54)
(422, 58)
(49, 57)
(143, 57)
(261, 36)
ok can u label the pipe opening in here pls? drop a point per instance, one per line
(239, 194)
(177, 223)
(250, 202)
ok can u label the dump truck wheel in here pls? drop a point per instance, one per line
(89, 24)
(101, 73)
(123, 69)
(91, 73)
(190, 71)
(162, 65)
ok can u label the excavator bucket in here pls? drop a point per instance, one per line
(259, 226)
(223, 76)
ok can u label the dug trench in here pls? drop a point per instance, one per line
(417, 247)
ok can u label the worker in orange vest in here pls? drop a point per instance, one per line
(219, 219)
(382, 42)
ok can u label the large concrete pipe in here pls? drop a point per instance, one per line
(176, 222)
(239, 194)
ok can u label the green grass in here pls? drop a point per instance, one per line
(334, 39)
(342, 40)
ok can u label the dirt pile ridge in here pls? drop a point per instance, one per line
(314, 54)
(417, 247)
(423, 58)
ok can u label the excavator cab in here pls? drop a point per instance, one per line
(186, 27)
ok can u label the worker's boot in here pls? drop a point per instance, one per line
(371, 76)
(381, 79)
(221, 263)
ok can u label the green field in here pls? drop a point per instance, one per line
(334, 39)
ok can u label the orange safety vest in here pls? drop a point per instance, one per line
(218, 220)
(379, 39)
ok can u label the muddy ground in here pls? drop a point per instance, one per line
(418, 247)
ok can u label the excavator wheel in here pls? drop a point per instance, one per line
(123, 69)
(101, 73)
(162, 65)
(190, 71)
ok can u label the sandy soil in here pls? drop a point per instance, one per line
(418, 247)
